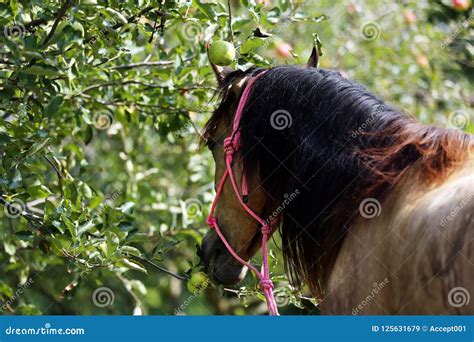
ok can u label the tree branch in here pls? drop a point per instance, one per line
(162, 269)
(58, 172)
(130, 19)
(142, 64)
(148, 85)
(67, 4)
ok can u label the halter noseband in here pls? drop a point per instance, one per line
(231, 145)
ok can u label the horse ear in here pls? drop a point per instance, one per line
(313, 60)
(220, 72)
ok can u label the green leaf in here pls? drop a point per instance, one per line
(130, 250)
(10, 249)
(53, 106)
(134, 265)
(250, 45)
(206, 8)
(41, 70)
(127, 208)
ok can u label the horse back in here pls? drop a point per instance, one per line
(415, 257)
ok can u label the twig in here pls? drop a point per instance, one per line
(58, 172)
(125, 103)
(130, 19)
(67, 4)
(231, 31)
(154, 30)
(162, 269)
(128, 286)
(142, 64)
(148, 85)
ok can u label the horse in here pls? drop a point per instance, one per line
(375, 209)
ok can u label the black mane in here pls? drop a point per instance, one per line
(343, 145)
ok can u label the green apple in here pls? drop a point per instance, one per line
(197, 282)
(221, 52)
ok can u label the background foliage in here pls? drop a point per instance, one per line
(101, 104)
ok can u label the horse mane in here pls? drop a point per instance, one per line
(341, 145)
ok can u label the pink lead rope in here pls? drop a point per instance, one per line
(232, 144)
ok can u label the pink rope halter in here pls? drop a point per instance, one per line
(231, 145)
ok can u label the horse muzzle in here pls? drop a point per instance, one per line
(219, 263)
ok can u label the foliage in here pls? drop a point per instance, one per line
(102, 101)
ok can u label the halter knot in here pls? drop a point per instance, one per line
(211, 221)
(266, 284)
(229, 146)
(266, 229)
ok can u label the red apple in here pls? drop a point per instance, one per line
(460, 5)
(409, 16)
(423, 61)
(284, 50)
